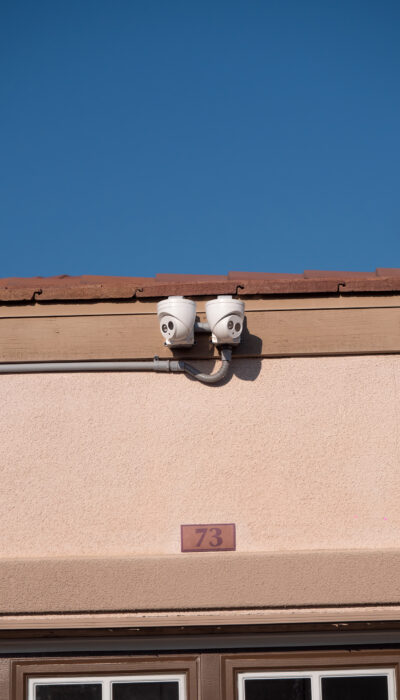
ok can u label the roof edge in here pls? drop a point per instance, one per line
(94, 288)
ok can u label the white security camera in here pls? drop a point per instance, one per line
(177, 316)
(225, 316)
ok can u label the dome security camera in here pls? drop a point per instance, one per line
(177, 316)
(225, 316)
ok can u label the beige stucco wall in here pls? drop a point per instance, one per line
(303, 455)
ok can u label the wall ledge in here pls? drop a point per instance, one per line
(200, 582)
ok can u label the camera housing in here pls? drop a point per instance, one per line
(225, 316)
(177, 316)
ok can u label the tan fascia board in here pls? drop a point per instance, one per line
(339, 617)
(149, 306)
(289, 328)
(180, 584)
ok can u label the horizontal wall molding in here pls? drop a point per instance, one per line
(339, 617)
(200, 582)
(269, 333)
(146, 306)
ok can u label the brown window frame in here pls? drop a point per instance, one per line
(209, 676)
(22, 670)
(234, 664)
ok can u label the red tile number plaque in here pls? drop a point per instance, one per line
(208, 538)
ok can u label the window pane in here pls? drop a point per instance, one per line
(80, 691)
(278, 689)
(355, 688)
(168, 690)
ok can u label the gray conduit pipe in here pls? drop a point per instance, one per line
(155, 365)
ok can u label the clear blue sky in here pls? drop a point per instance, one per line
(201, 136)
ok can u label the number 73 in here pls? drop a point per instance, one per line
(214, 534)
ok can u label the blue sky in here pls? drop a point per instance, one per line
(144, 136)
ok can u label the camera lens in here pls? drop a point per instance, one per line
(164, 327)
(230, 325)
(170, 325)
(237, 327)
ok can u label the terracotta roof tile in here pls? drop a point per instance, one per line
(92, 288)
(280, 283)
(334, 274)
(64, 287)
(264, 276)
(388, 271)
(168, 277)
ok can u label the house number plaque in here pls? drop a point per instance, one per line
(208, 538)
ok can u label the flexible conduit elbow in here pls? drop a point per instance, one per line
(221, 373)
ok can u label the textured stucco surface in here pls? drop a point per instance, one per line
(302, 456)
(182, 582)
